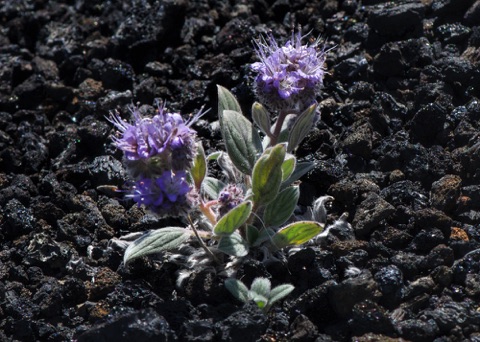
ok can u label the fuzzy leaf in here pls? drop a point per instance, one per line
(237, 289)
(212, 187)
(233, 245)
(279, 292)
(261, 286)
(260, 300)
(288, 166)
(261, 117)
(233, 219)
(156, 241)
(302, 126)
(226, 101)
(241, 140)
(199, 167)
(301, 169)
(267, 175)
(282, 207)
(296, 233)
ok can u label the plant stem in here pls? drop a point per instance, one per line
(278, 128)
(208, 212)
(202, 244)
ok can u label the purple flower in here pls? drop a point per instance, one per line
(165, 137)
(169, 194)
(289, 76)
(229, 198)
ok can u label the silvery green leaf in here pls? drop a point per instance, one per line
(212, 187)
(199, 167)
(237, 289)
(233, 245)
(301, 168)
(156, 241)
(296, 233)
(233, 219)
(261, 286)
(284, 132)
(279, 292)
(232, 173)
(281, 208)
(241, 140)
(226, 101)
(261, 117)
(302, 126)
(260, 300)
(288, 166)
(267, 175)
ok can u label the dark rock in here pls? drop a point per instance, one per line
(142, 325)
(417, 330)
(445, 193)
(427, 123)
(302, 329)
(197, 330)
(390, 284)
(472, 15)
(314, 303)
(453, 33)
(370, 213)
(345, 295)
(247, 324)
(398, 20)
(368, 316)
(17, 219)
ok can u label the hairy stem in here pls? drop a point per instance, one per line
(278, 128)
(202, 243)
(208, 212)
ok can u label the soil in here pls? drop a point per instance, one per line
(398, 147)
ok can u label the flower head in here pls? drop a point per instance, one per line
(168, 194)
(165, 138)
(289, 76)
(229, 198)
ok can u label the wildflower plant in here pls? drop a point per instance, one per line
(260, 292)
(251, 207)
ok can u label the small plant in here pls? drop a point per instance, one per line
(250, 208)
(260, 292)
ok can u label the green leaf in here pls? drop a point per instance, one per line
(267, 175)
(301, 169)
(233, 219)
(296, 233)
(233, 245)
(261, 286)
(288, 166)
(199, 167)
(264, 234)
(302, 126)
(226, 101)
(212, 187)
(252, 234)
(279, 292)
(261, 117)
(156, 241)
(280, 209)
(237, 289)
(214, 155)
(260, 300)
(241, 140)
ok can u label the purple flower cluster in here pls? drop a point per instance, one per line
(164, 195)
(158, 152)
(229, 198)
(290, 75)
(165, 136)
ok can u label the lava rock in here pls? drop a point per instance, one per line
(370, 213)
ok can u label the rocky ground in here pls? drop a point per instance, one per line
(398, 148)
